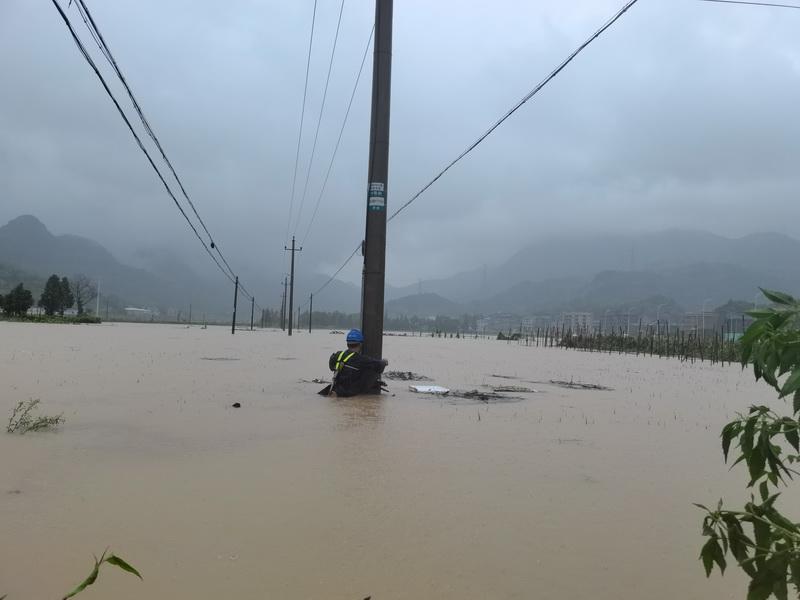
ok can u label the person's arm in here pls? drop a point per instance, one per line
(332, 362)
(373, 364)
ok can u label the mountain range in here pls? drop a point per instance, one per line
(598, 272)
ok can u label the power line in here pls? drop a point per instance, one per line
(519, 104)
(319, 119)
(84, 52)
(97, 35)
(499, 122)
(302, 119)
(339, 139)
(753, 3)
(339, 270)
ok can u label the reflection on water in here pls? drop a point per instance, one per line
(358, 412)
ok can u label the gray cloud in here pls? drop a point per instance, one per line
(683, 114)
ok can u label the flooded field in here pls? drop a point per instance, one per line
(563, 493)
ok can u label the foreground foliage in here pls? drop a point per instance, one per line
(762, 541)
(111, 559)
(23, 419)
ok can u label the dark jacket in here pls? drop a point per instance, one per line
(354, 373)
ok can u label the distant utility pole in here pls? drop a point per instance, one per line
(374, 274)
(283, 304)
(252, 308)
(235, 300)
(97, 306)
(293, 250)
(310, 310)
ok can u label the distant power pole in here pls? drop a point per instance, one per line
(293, 250)
(235, 300)
(252, 308)
(283, 305)
(310, 310)
(97, 306)
(374, 274)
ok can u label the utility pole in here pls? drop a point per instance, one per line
(310, 310)
(374, 276)
(235, 300)
(252, 308)
(298, 316)
(190, 313)
(293, 249)
(97, 306)
(283, 305)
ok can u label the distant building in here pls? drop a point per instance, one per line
(578, 322)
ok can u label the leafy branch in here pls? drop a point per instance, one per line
(764, 543)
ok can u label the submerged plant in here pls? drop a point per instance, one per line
(23, 419)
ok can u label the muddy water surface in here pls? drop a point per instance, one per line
(563, 494)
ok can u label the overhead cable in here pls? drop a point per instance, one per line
(753, 3)
(339, 139)
(136, 137)
(319, 119)
(97, 35)
(518, 105)
(497, 124)
(302, 119)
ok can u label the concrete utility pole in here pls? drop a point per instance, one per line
(291, 283)
(283, 304)
(235, 301)
(252, 308)
(373, 288)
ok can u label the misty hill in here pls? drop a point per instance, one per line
(424, 305)
(765, 256)
(27, 246)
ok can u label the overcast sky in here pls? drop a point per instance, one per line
(684, 114)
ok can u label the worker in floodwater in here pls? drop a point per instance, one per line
(353, 372)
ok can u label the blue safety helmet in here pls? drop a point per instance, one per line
(354, 336)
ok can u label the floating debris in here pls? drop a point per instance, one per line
(285, 358)
(503, 376)
(429, 389)
(487, 397)
(237, 405)
(406, 376)
(223, 358)
(572, 385)
(518, 389)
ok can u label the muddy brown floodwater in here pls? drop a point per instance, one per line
(566, 493)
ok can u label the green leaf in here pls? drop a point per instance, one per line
(763, 489)
(728, 433)
(792, 384)
(794, 570)
(86, 582)
(796, 404)
(793, 438)
(118, 562)
(755, 464)
(778, 297)
(707, 555)
(759, 589)
(747, 437)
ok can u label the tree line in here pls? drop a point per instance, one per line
(58, 296)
